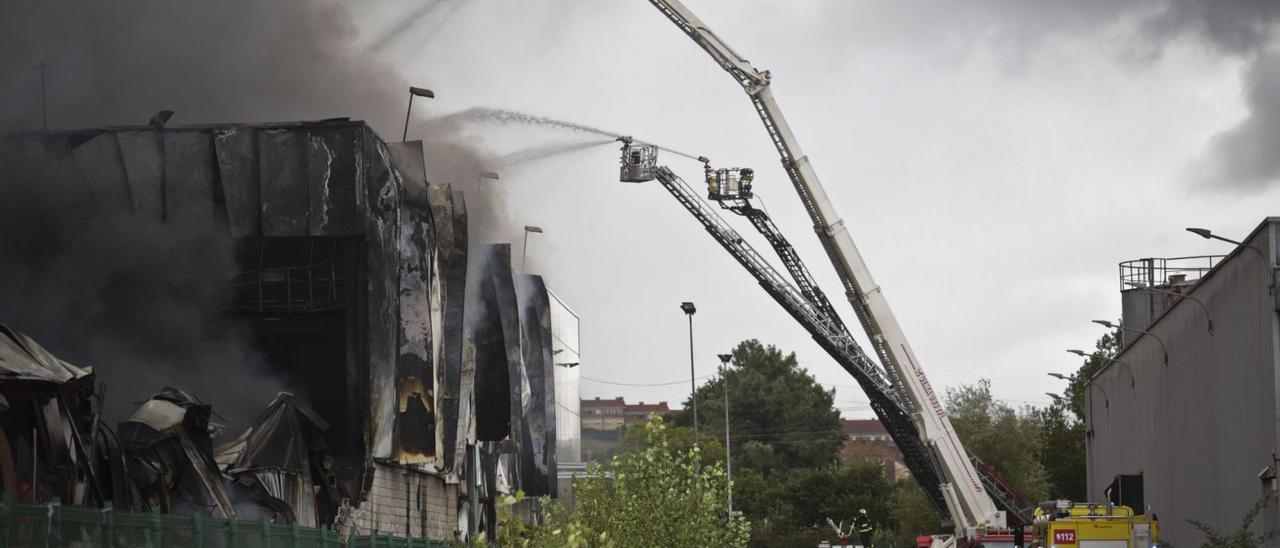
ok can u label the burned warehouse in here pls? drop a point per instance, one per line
(414, 367)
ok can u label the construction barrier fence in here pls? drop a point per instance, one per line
(57, 526)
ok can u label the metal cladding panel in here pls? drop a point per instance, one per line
(382, 310)
(538, 461)
(415, 372)
(564, 340)
(144, 165)
(485, 358)
(102, 166)
(517, 378)
(189, 173)
(237, 151)
(451, 264)
(332, 174)
(282, 170)
(1201, 427)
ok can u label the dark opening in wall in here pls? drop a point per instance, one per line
(298, 296)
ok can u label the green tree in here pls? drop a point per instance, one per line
(783, 418)
(1105, 348)
(913, 514)
(1243, 536)
(655, 496)
(1001, 436)
(1063, 429)
(1062, 452)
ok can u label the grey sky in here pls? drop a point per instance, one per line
(995, 161)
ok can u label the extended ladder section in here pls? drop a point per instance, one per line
(968, 500)
(827, 330)
(896, 421)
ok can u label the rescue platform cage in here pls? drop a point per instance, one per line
(732, 183)
(639, 163)
(1166, 271)
(57, 526)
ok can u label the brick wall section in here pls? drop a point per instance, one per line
(399, 499)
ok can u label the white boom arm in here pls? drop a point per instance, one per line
(967, 500)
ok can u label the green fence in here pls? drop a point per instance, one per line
(57, 526)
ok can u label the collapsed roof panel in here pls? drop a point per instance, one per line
(21, 358)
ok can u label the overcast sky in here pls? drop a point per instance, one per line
(994, 159)
(994, 162)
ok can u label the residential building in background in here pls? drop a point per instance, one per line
(598, 414)
(639, 413)
(867, 440)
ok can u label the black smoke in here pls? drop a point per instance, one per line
(140, 300)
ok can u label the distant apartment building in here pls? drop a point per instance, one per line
(607, 414)
(640, 412)
(867, 440)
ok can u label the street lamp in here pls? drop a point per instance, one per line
(1163, 348)
(414, 92)
(1061, 376)
(1056, 398)
(1209, 235)
(728, 455)
(1132, 381)
(1207, 317)
(525, 249)
(690, 310)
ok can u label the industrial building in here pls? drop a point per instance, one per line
(354, 278)
(1185, 422)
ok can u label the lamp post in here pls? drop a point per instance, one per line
(1154, 289)
(1163, 348)
(1132, 381)
(690, 310)
(728, 454)
(1057, 398)
(1209, 235)
(414, 92)
(525, 250)
(482, 175)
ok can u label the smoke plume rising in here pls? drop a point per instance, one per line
(139, 300)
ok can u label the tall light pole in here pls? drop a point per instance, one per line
(689, 311)
(482, 175)
(414, 92)
(1155, 289)
(1132, 381)
(728, 454)
(1163, 348)
(1209, 235)
(525, 249)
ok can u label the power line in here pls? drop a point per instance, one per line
(681, 381)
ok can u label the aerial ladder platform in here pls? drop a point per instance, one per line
(975, 499)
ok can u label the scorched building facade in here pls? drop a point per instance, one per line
(352, 275)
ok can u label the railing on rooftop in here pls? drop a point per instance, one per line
(1166, 271)
(57, 526)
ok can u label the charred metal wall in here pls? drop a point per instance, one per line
(450, 213)
(538, 461)
(306, 180)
